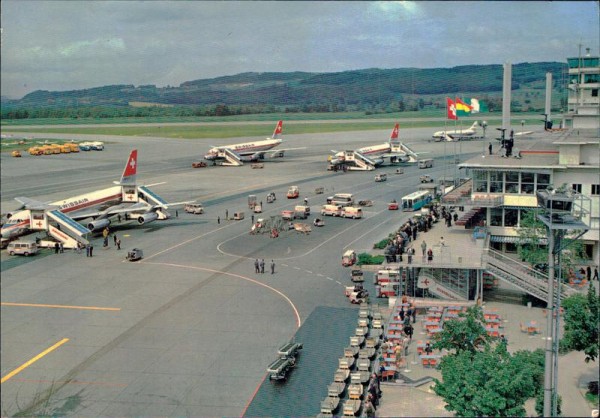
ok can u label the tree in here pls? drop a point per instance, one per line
(467, 334)
(491, 382)
(581, 324)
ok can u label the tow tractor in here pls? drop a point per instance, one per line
(349, 258)
(357, 276)
(287, 359)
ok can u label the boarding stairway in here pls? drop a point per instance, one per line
(520, 275)
(399, 147)
(231, 158)
(447, 284)
(358, 161)
(67, 231)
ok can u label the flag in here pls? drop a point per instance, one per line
(462, 109)
(476, 105)
(450, 107)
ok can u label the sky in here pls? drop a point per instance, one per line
(68, 45)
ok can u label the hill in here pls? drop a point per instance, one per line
(364, 90)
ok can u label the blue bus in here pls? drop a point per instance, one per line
(415, 200)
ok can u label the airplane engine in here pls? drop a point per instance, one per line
(98, 224)
(147, 218)
(378, 161)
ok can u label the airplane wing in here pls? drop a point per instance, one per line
(33, 204)
(274, 153)
(113, 210)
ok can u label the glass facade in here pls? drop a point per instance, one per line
(509, 182)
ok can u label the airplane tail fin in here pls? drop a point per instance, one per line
(475, 125)
(278, 130)
(130, 170)
(394, 134)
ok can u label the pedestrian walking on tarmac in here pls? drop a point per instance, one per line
(262, 266)
(253, 219)
(87, 250)
(272, 267)
(115, 239)
(56, 248)
(61, 247)
(218, 220)
(91, 250)
(424, 248)
(226, 214)
(118, 244)
(256, 266)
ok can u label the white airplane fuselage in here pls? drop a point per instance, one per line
(244, 148)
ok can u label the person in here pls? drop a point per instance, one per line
(424, 248)
(262, 266)
(252, 218)
(589, 273)
(503, 339)
(119, 217)
(305, 201)
(428, 348)
(272, 267)
(490, 148)
(115, 238)
(256, 266)
(595, 273)
(369, 409)
(87, 250)
(105, 242)
(409, 255)
(414, 313)
(429, 256)
(91, 250)
(402, 314)
(61, 247)
(218, 220)
(56, 247)
(408, 330)
(118, 244)
(226, 214)
(442, 243)
(176, 213)
(455, 217)
(78, 249)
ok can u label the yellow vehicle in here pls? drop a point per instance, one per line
(65, 148)
(55, 148)
(16, 153)
(35, 151)
(73, 146)
(46, 150)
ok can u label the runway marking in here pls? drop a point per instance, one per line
(368, 232)
(320, 275)
(239, 276)
(296, 268)
(329, 278)
(42, 305)
(33, 360)
(283, 264)
(338, 282)
(308, 271)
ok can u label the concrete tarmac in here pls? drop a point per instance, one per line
(191, 328)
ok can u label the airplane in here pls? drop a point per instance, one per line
(126, 198)
(236, 154)
(456, 135)
(392, 149)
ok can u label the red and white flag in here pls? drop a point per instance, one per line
(451, 107)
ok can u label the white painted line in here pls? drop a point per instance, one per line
(329, 278)
(296, 268)
(308, 271)
(320, 275)
(337, 282)
(283, 264)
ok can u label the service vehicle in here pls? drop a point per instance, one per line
(258, 208)
(271, 197)
(74, 147)
(386, 276)
(352, 212)
(195, 208)
(331, 210)
(318, 222)
(381, 177)
(393, 205)
(134, 255)
(416, 200)
(35, 151)
(342, 199)
(16, 153)
(426, 179)
(357, 276)
(25, 248)
(387, 290)
(301, 211)
(427, 163)
(349, 258)
(293, 192)
(251, 201)
(257, 165)
(238, 216)
(198, 164)
(287, 215)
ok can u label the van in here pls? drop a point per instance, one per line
(195, 208)
(331, 210)
(428, 163)
(341, 199)
(381, 177)
(352, 212)
(22, 248)
(301, 211)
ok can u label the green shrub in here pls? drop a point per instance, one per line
(365, 259)
(381, 244)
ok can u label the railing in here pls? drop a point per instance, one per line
(520, 274)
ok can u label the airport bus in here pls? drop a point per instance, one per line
(415, 200)
(427, 163)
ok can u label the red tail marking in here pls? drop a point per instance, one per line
(131, 167)
(395, 131)
(278, 128)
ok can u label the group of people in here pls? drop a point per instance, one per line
(259, 266)
(373, 395)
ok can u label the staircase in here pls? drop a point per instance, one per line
(400, 147)
(520, 275)
(361, 162)
(231, 158)
(69, 232)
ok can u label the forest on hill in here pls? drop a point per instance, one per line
(371, 91)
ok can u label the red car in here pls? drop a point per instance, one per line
(393, 206)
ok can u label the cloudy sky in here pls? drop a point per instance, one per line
(54, 45)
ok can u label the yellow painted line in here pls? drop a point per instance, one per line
(41, 305)
(33, 360)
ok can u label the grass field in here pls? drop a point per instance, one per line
(153, 128)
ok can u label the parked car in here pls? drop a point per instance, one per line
(25, 248)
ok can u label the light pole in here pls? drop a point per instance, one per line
(522, 124)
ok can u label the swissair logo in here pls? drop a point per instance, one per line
(132, 163)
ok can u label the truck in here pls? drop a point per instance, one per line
(251, 201)
(293, 192)
(352, 212)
